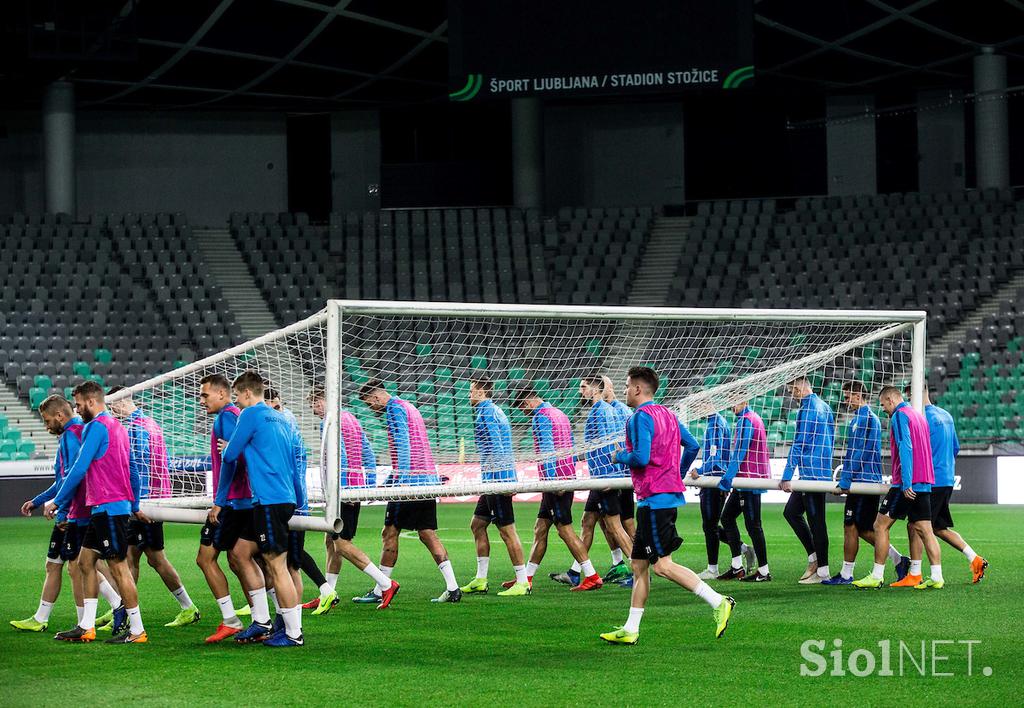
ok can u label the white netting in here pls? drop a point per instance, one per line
(707, 362)
(290, 360)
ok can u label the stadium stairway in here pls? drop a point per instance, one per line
(21, 416)
(986, 307)
(228, 269)
(655, 274)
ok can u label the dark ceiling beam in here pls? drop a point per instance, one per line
(287, 58)
(207, 89)
(423, 44)
(921, 24)
(208, 24)
(233, 54)
(365, 18)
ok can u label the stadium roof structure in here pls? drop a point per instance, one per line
(322, 55)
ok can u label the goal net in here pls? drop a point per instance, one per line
(427, 354)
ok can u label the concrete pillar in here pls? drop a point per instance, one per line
(528, 153)
(59, 147)
(991, 126)
(940, 141)
(850, 145)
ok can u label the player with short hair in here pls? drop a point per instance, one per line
(748, 458)
(60, 420)
(602, 424)
(945, 447)
(552, 442)
(863, 463)
(412, 464)
(266, 440)
(357, 467)
(620, 571)
(811, 454)
(658, 447)
(224, 525)
(102, 466)
(298, 556)
(149, 458)
(717, 445)
(493, 435)
(910, 497)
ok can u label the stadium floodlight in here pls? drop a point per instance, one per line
(709, 360)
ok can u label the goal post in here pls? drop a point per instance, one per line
(709, 361)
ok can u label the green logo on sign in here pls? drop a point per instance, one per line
(470, 90)
(737, 77)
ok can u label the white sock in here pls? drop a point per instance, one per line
(273, 596)
(763, 569)
(894, 555)
(587, 569)
(448, 574)
(483, 564)
(378, 576)
(813, 558)
(325, 589)
(937, 573)
(969, 552)
(737, 562)
(260, 609)
(135, 621)
(292, 621)
(89, 613)
(707, 594)
(43, 613)
(847, 571)
(520, 573)
(531, 569)
(713, 568)
(81, 611)
(823, 571)
(227, 609)
(576, 567)
(915, 567)
(332, 579)
(878, 571)
(743, 547)
(108, 593)
(633, 623)
(181, 595)
(617, 558)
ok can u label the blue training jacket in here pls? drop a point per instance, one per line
(812, 445)
(267, 440)
(945, 444)
(863, 461)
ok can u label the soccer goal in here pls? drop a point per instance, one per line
(709, 360)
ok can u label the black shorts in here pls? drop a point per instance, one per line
(108, 535)
(270, 523)
(897, 506)
(556, 508)
(412, 515)
(296, 548)
(147, 536)
(603, 503)
(626, 504)
(860, 511)
(56, 543)
(349, 522)
(72, 543)
(941, 518)
(655, 535)
(496, 509)
(232, 525)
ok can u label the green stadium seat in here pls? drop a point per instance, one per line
(5, 456)
(20, 456)
(36, 396)
(442, 374)
(12, 435)
(594, 347)
(102, 356)
(95, 377)
(517, 374)
(423, 349)
(8, 448)
(27, 446)
(478, 361)
(80, 368)
(42, 381)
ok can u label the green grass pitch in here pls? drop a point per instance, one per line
(543, 649)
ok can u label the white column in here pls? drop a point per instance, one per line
(59, 147)
(991, 125)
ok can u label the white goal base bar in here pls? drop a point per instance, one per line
(198, 516)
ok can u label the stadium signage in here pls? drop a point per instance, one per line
(893, 658)
(556, 84)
